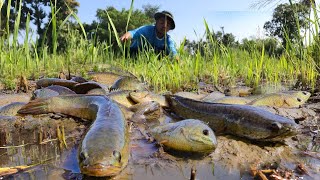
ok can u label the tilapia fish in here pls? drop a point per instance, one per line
(104, 149)
(189, 135)
(240, 120)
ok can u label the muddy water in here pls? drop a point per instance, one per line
(32, 140)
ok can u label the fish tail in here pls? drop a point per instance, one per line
(39, 106)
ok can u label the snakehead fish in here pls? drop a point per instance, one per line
(104, 148)
(240, 120)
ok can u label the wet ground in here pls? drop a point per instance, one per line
(34, 141)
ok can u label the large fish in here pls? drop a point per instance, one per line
(189, 135)
(104, 149)
(240, 120)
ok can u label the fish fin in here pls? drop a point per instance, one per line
(39, 106)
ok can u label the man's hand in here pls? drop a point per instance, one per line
(125, 37)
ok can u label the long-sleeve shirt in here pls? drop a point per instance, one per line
(148, 33)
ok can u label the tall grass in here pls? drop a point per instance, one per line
(216, 64)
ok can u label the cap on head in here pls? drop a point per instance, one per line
(165, 14)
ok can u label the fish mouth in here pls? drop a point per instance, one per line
(100, 170)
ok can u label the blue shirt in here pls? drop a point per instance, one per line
(148, 33)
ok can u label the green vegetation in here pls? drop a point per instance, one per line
(67, 45)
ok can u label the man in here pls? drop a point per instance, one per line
(155, 35)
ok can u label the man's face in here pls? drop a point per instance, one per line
(163, 25)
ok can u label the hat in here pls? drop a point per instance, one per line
(168, 15)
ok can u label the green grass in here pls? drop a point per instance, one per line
(219, 65)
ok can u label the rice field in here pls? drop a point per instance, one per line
(217, 64)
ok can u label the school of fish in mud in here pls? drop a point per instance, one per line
(112, 101)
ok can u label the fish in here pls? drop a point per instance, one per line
(278, 100)
(145, 96)
(128, 83)
(53, 90)
(230, 100)
(104, 150)
(245, 121)
(106, 78)
(11, 109)
(45, 82)
(189, 135)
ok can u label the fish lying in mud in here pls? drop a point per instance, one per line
(128, 83)
(145, 96)
(278, 100)
(189, 135)
(240, 120)
(50, 91)
(104, 150)
(45, 82)
(11, 109)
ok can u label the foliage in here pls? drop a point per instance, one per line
(288, 21)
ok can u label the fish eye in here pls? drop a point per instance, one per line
(117, 155)
(276, 126)
(205, 132)
(299, 99)
(82, 156)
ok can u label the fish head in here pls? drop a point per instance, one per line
(303, 95)
(200, 134)
(280, 130)
(110, 164)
